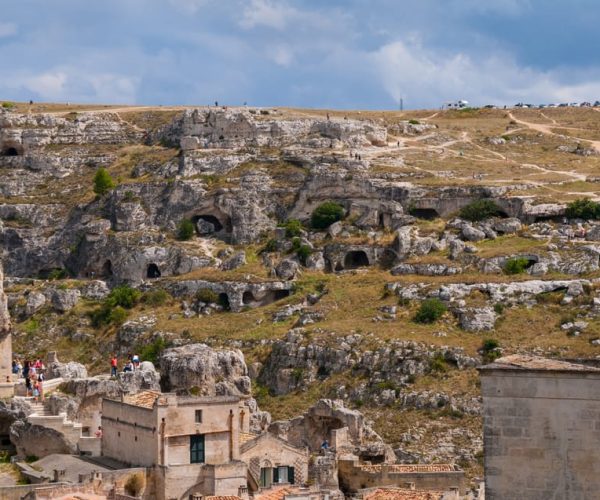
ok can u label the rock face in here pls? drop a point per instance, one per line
(35, 440)
(204, 371)
(5, 335)
(310, 429)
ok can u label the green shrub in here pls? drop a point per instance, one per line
(107, 315)
(156, 297)
(31, 326)
(516, 265)
(438, 363)
(498, 308)
(430, 311)
(58, 274)
(270, 246)
(8, 105)
(293, 227)
(303, 253)
(414, 122)
(583, 208)
(31, 458)
(326, 214)
(489, 350)
(207, 295)
(152, 351)
(103, 182)
(185, 230)
(123, 296)
(479, 210)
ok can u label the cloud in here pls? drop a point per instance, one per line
(267, 13)
(8, 29)
(72, 84)
(281, 55)
(189, 6)
(427, 77)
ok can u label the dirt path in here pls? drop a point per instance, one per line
(547, 129)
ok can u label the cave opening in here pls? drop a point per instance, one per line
(153, 271)
(107, 270)
(424, 213)
(356, 259)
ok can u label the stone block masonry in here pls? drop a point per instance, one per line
(541, 429)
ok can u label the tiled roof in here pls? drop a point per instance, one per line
(410, 469)
(274, 494)
(145, 399)
(524, 362)
(222, 498)
(247, 436)
(402, 494)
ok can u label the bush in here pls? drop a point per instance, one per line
(58, 274)
(107, 315)
(293, 227)
(103, 182)
(134, 484)
(152, 351)
(479, 210)
(498, 308)
(326, 214)
(185, 230)
(207, 295)
(414, 122)
(270, 246)
(303, 253)
(516, 265)
(583, 208)
(489, 350)
(438, 363)
(156, 297)
(8, 105)
(430, 311)
(123, 296)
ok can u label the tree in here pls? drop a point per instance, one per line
(583, 208)
(326, 214)
(103, 182)
(185, 230)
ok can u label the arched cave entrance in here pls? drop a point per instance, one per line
(152, 271)
(10, 151)
(424, 213)
(107, 271)
(356, 259)
(207, 224)
(270, 296)
(224, 301)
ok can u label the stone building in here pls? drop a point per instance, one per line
(192, 443)
(541, 429)
(272, 460)
(197, 445)
(6, 384)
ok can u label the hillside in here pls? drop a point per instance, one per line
(211, 217)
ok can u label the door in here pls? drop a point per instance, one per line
(266, 477)
(197, 449)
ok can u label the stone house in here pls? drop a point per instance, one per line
(198, 446)
(273, 461)
(192, 443)
(541, 429)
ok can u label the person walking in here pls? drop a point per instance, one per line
(36, 391)
(41, 378)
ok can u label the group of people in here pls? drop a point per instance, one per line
(33, 373)
(132, 364)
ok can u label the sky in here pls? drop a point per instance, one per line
(338, 54)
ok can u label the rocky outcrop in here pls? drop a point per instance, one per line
(198, 369)
(317, 423)
(5, 325)
(38, 441)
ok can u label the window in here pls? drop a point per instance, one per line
(283, 475)
(197, 449)
(266, 477)
(198, 416)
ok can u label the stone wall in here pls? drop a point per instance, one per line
(541, 434)
(354, 476)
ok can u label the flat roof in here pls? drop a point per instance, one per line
(536, 363)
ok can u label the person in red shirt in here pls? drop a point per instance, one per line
(113, 366)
